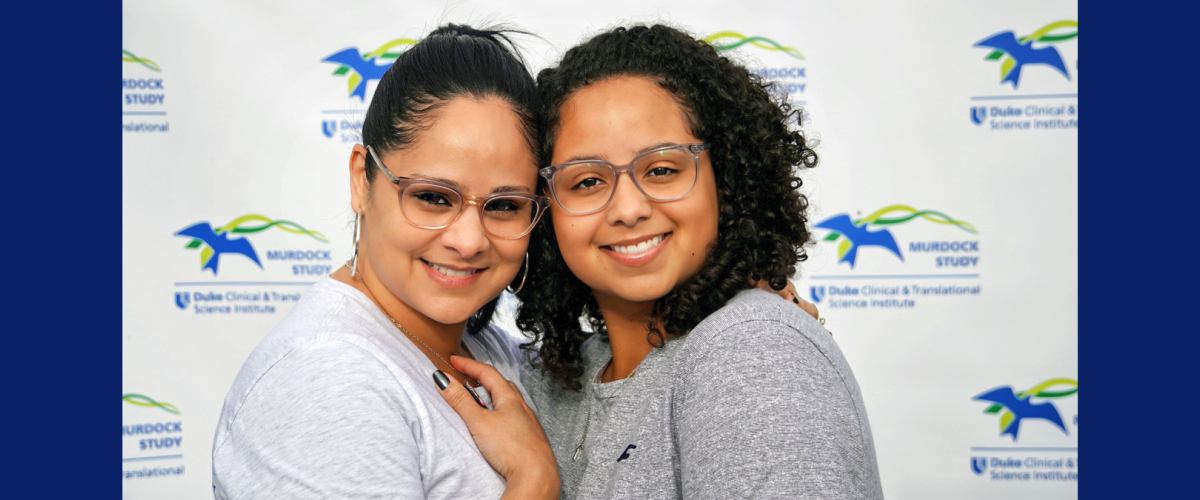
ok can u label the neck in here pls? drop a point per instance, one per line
(443, 339)
(626, 323)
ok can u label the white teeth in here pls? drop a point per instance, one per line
(450, 272)
(640, 247)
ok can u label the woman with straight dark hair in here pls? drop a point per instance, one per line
(336, 402)
(690, 383)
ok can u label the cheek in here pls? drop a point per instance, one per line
(574, 236)
(511, 252)
(392, 235)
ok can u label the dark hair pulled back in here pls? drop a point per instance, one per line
(452, 61)
(762, 225)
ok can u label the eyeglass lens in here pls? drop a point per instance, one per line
(662, 175)
(434, 206)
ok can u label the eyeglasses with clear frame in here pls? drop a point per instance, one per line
(429, 204)
(662, 174)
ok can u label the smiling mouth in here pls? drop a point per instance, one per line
(638, 248)
(453, 273)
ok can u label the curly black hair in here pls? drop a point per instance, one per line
(755, 153)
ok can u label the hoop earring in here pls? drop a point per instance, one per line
(354, 265)
(523, 276)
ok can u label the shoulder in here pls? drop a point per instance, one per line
(759, 323)
(759, 339)
(329, 416)
(761, 388)
(319, 379)
(319, 367)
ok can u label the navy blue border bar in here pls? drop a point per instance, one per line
(63, 250)
(1137, 264)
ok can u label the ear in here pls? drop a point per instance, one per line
(360, 189)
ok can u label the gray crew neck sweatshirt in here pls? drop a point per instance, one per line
(756, 402)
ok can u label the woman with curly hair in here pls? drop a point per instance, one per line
(690, 382)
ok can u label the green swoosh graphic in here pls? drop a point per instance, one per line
(147, 401)
(757, 41)
(1043, 35)
(382, 53)
(129, 57)
(235, 226)
(877, 218)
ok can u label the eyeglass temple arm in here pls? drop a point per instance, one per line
(379, 163)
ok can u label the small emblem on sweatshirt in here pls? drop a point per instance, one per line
(625, 454)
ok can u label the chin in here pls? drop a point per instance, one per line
(450, 311)
(632, 291)
(451, 315)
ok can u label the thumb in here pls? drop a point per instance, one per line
(456, 396)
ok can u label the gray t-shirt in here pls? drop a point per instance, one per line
(756, 402)
(337, 403)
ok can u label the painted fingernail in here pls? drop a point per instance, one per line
(474, 395)
(441, 380)
(795, 299)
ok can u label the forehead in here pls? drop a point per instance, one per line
(478, 144)
(616, 118)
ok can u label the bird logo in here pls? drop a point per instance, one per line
(364, 68)
(215, 242)
(1014, 53)
(856, 233)
(1014, 407)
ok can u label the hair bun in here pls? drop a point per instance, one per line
(452, 30)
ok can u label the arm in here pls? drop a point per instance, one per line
(322, 423)
(764, 412)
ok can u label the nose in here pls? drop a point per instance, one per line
(466, 235)
(628, 204)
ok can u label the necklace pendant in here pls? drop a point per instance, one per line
(578, 450)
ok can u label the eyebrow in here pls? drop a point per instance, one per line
(460, 188)
(635, 154)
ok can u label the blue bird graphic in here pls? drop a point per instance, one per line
(859, 236)
(366, 68)
(219, 243)
(1022, 54)
(1021, 408)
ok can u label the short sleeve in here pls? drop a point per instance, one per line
(764, 412)
(327, 421)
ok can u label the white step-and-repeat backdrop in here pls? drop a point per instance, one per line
(944, 206)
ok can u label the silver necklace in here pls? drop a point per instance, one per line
(588, 421)
(465, 379)
(439, 356)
